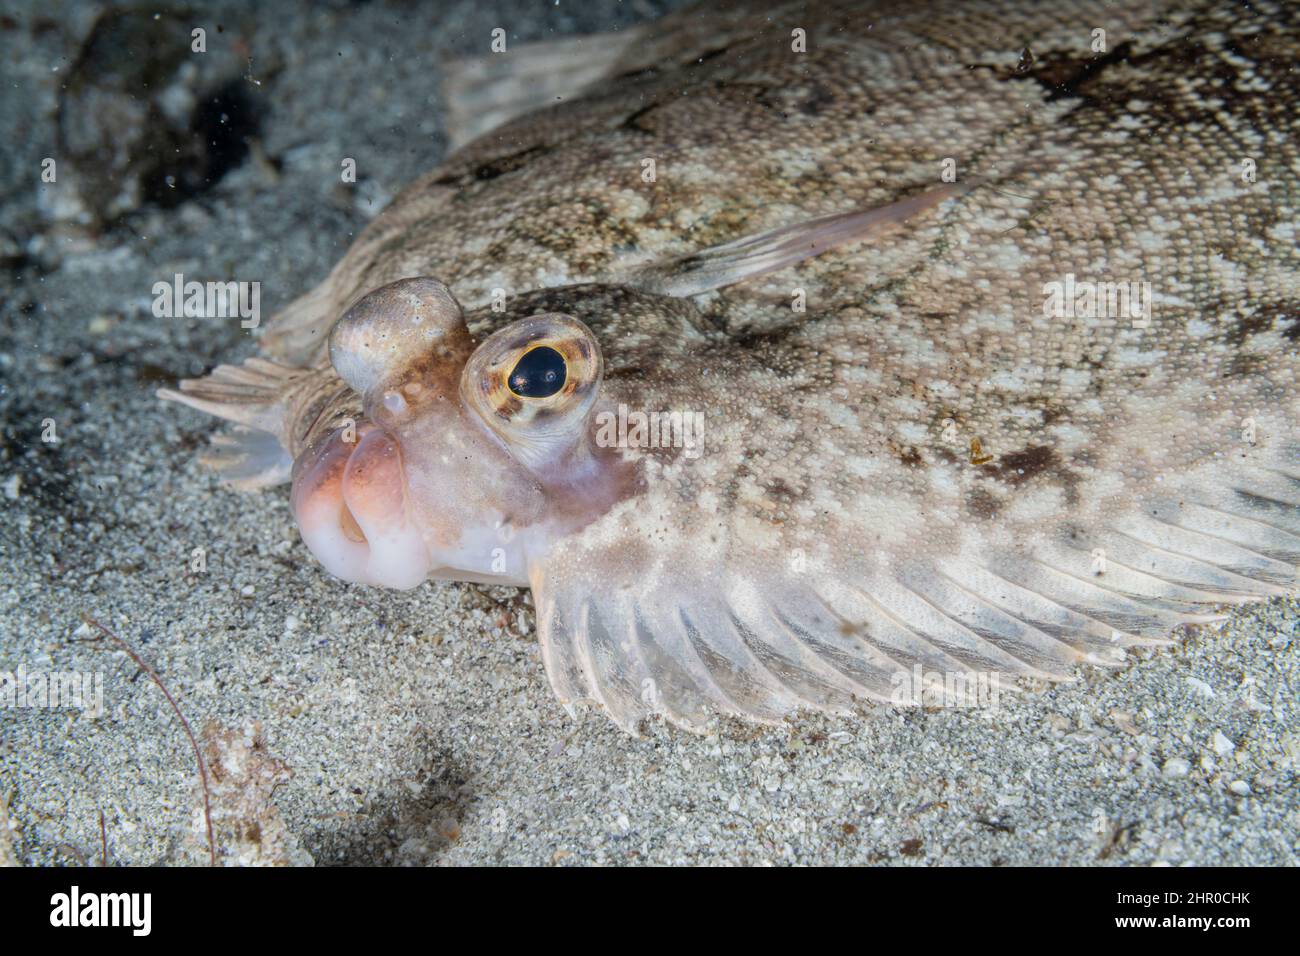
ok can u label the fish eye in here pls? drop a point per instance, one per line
(533, 385)
(539, 373)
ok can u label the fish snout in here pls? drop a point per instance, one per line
(349, 499)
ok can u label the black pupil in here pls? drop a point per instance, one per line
(538, 374)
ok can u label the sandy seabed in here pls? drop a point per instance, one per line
(350, 725)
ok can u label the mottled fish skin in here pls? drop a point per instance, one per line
(923, 467)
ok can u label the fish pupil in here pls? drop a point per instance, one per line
(539, 373)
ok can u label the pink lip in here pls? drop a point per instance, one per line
(349, 499)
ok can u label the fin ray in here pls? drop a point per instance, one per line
(752, 256)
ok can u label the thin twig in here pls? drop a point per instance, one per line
(198, 756)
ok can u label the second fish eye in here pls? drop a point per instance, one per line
(539, 373)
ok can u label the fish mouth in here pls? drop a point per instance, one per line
(350, 501)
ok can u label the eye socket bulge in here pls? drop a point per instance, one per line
(539, 373)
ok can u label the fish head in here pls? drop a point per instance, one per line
(470, 459)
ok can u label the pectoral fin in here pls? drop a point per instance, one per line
(752, 256)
